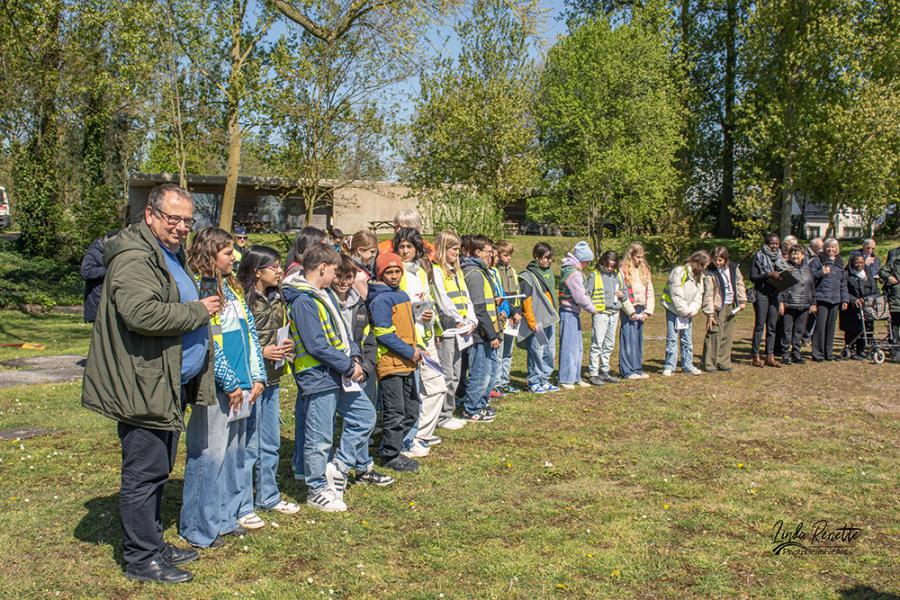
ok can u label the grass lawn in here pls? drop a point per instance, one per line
(660, 488)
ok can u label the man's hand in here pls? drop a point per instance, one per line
(256, 390)
(235, 399)
(870, 259)
(495, 344)
(212, 303)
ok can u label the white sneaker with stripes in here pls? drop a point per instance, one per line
(326, 501)
(337, 481)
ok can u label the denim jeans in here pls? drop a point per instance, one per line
(213, 474)
(358, 415)
(541, 358)
(483, 368)
(603, 339)
(631, 344)
(673, 337)
(509, 342)
(299, 435)
(571, 347)
(263, 441)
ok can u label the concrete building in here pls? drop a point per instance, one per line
(276, 204)
(849, 223)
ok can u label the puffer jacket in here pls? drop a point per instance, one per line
(802, 294)
(832, 287)
(270, 314)
(685, 292)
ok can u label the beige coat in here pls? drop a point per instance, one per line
(712, 295)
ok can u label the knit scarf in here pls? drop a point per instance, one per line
(549, 279)
(769, 260)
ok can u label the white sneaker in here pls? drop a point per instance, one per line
(645, 376)
(634, 376)
(667, 372)
(286, 508)
(416, 450)
(452, 423)
(326, 501)
(693, 371)
(337, 481)
(251, 521)
(567, 386)
(583, 383)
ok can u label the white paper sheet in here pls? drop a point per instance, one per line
(283, 334)
(244, 411)
(464, 340)
(349, 385)
(682, 323)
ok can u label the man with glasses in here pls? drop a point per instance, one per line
(240, 243)
(149, 353)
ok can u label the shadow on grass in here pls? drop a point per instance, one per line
(864, 592)
(102, 525)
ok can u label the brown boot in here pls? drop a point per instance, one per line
(757, 361)
(770, 361)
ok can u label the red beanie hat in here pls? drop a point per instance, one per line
(385, 260)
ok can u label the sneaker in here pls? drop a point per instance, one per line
(726, 369)
(786, 360)
(452, 424)
(609, 377)
(645, 376)
(583, 383)
(432, 441)
(537, 389)
(496, 394)
(567, 386)
(337, 480)
(489, 411)
(692, 370)
(326, 500)
(551, 388)
(251, 521)
(509, 390)
(635, 376)
(402, 464)
(478, 417)
(286, 508)
(667, 373)
(416, 450)
(597, 380)
(373, 477)
(798, 359)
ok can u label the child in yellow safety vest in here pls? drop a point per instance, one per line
(607, 290)
(683, 298)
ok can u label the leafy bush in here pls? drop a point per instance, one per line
(465, 212)
(43, 281)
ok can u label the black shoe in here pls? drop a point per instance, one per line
(178, 556)
(238, 532)
(857, 357)
(815, 359)
(159, 571)
(596, 380)
(216, 543)
(834, 358)
(489, 411)
(609, 377)
(402, 464)
(798, 359)
(786, 360)
(373, 477)
(478, 417)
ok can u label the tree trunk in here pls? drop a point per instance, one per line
(234, 169)
(725, 224)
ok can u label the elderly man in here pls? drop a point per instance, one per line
(873, 265)
(149, 353)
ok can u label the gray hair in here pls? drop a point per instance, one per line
(409, 217)
(832, 241)
(159, 192)
(816, 241)
(868, 241)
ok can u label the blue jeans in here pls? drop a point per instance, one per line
(299, 435)
(483, 367)
(541, 358)
(213, 481)
(263, 441)
(571, 347)
(673, 337)
(631, 344)
(509, 342)
(358, 414)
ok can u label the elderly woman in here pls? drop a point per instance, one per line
(682, 297)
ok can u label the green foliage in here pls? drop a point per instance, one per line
(463, 211)
(37, 208)
(473, 124)
(43, 281)
(609, 115)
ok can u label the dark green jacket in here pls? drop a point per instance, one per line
(891, 267)
(269, 313)
(133, 370)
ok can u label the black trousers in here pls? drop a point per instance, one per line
(148, 456)
(399, 412)
(855, 340)
(794, 321)
(823, 336)
(895, 333)
(766, 310)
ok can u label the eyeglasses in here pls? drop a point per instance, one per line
(240, 237)
(273, 267)
(174, 220)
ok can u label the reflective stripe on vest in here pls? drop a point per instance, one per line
(458, 296)
(665, 295)
(303, 360)
(490, 304)
(423, 332)
(597, 296)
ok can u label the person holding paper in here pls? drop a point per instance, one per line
(765, 268)
(539, 307)
(572, 300)
(416, 282)
(637, 306)
(795, 305)
(214, 482)
(328, 372)
(456, 316)
(606, 288)
(724, 295)
(260, 277)
(683, 297)
(831, 297)
(398, 356)
(509, 281)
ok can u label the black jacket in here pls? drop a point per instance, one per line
(93, 272)
(857, 288)
(831, 287)
(802, 294)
